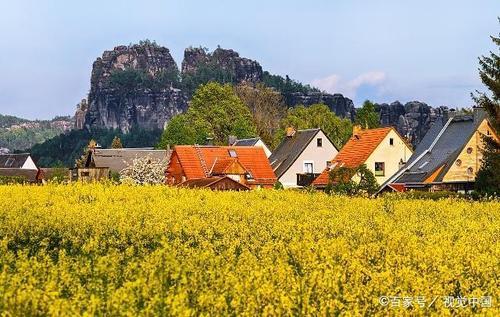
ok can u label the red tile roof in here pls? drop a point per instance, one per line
(197, 161)
(356, 151)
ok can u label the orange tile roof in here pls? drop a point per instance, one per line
(356, 151)
(198, 160)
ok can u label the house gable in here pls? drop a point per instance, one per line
(313, 154)
(390, 155)
(29, 164)
(464, 167)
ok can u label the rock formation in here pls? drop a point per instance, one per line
(240, 69)
(412, 120)
(140, 85)
(137, 97)
(342, 106)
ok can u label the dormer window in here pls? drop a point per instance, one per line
(232, 153)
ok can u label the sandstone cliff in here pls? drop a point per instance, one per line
(412, 120)
(134, 86)
(238, 69)
(140, 85)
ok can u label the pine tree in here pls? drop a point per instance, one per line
(117, 143)
(488, 177)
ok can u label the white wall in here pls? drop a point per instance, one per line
(317, 155)
(390, 155)
(29, 164)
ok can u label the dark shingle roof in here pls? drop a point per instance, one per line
(13, 160)
(444, 152)
(118, 159)
(247, 142)
(289, 150)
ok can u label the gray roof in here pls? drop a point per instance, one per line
(13, 160)
(28, 174)
(289, 150)
(425, 161)
(118, 159)
(246, 142)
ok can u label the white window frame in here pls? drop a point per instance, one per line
(304, 168)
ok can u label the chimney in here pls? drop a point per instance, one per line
(356, 129)
(232, 140)
(447, 114)
(290, 132)
(479, 113)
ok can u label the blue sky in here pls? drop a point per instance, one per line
(366, 49)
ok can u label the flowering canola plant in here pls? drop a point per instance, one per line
(102, 249)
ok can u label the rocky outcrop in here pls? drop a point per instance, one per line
(342, 106)
(143, 95)
(80, 113)
(412, 120)
(239, 69)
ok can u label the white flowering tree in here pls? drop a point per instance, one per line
(144, 170)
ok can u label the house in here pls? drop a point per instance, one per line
(215, 183)
(383, 150)
(448, 157)
(301, 156)
(19, 167)
(21, 161)
(118, 159)
(247, 165)
(98, 163)
(252, 142)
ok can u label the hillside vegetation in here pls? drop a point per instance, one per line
(118, 250)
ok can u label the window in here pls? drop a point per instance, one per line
(9, 162)
(308, 167)
(328, 164)
(85, 174)
(458, 162)
(391, 141)
(232, 153)
(470, 170)
(379, 168)
(488, 132)
(319, 142)
(469, 150)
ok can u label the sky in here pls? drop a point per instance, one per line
(365, 49)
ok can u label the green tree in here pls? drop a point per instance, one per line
(488, 177)
(216, 112)
(117, 143)
(178, 131)
(367, 117)
(352, 181)
(317, 116)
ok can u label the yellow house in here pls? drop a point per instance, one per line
(383, 150)
(448, 157)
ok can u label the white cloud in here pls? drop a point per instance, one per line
(336, 84)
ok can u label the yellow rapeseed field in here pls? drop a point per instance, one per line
(103, 249)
